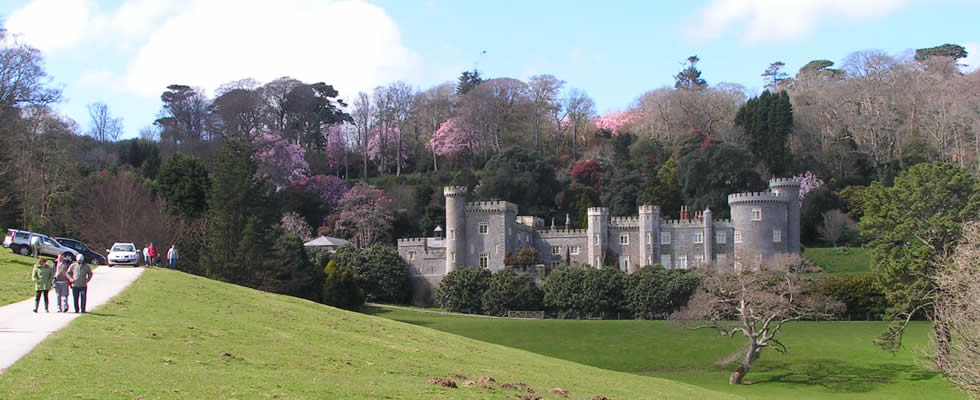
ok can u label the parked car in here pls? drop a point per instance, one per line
(123, 254)
(20, 242)
(91, 256)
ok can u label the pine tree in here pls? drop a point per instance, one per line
(768, 121)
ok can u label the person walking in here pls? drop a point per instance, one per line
(79, 274)
(154, 256)
(35, 246)
(61, 281)
(146, 255)
(172, 256)
(42, 277)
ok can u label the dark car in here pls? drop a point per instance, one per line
(91, 257)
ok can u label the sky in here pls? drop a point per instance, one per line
(126, 52)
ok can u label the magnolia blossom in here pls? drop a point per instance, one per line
(330, 188)
(808, 183)
(383, 143)
(615, 122)
(279, 161)
(336, 146)
(453, 137)
(365, 212)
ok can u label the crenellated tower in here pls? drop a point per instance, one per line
(709, 235)
(455, 226)
(649, 235)
(598, 232)
(790, 188)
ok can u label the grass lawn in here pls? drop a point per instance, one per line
(856, 261)
(15, 277)
(175, 336)
(825, 359)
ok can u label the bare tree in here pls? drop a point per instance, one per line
(120, 208)
(543, 91)
(960, 309)
(754, 301)
(834, 222)
(580, 110)
(363, 113)
(102, 125)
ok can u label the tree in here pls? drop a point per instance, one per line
(110, 207)
(543, 90)
(290, 271)
(511, 291)
(462, 289)
(653, 292)
(365, 214)
(523, 258)
(184, 115)
(467, 81)
(774, 75)
(834, 222)
(690, 77)
(520, 176)
(294, 224)
(707, 176)
(917, 224)
(383, 275)
(588, 173)
(959, 309)
(102, 126)
(615, 122)
(953, 51)
(362, 116)
(579, 112)
(768, 121)
(240, 113)
(340, 288)
(279, 161)
(814, 205)
(762, 297)
(183, 181)
(454, 138)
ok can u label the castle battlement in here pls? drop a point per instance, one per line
(454, 191)
(624, 222)
(598, 211)
(416, 241)
(562, 233)
(755, 197)
(491, 206)
(777, 182)
(649, 209)
(683, 222)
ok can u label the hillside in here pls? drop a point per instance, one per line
(173, 335)
(15, 277)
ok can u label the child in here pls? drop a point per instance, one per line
(42, 277)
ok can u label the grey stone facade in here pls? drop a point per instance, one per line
(480, 234)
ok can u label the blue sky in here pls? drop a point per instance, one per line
(125, 52)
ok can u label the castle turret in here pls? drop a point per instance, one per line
(790, 189)
(598, 231)
(455, 226)
(649, 235)
(759, 220)
(709, 236)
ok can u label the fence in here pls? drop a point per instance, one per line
(526, 314)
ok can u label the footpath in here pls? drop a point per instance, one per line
(21, 329)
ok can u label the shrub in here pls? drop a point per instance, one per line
(340, 288)
(573, 292)
(509, 290)
(815, 204)
(861, 297)
(383, 276)
(462, 290)
(653, 292)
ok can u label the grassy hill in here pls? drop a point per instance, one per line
(857, 260)
(825, 359)
(15, 277)
(173, 335)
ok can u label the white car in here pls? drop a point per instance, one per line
(123, 254)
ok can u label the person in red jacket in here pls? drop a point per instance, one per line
(154, 256)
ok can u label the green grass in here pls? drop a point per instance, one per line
(15, 277)
(856, 261)
(173, 335)
(825, 359)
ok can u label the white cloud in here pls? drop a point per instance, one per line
(51, 25)
(782, 20)
(972, 60)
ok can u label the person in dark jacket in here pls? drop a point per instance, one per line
(79, 274)
(42, 277)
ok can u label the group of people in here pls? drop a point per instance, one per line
(152, 258)
(65, 273)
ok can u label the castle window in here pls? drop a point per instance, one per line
(699, 237)
(624, 238)
(719, 257)
(555, 263)
(624, 264)
(484, 260)
(721, 238)
(556, 250)
(452, 234)
(777, 235)
(698, 260)
(649, 238)
(664, 237)
(682, 262)
(574, 250)
(411, 255)
(484, 228)
(665, 260)
(453, 256)
(738, 237)
(496, 249)
(757, 214)
(596, 239)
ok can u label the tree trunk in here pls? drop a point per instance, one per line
(940, 332)
(742, 370)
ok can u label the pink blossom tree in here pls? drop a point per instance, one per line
(365, 214)
(336, 148)
(280, 161)
(383, 147)
(808, 183)
(453, 138)
(616, 122)
(329, 188)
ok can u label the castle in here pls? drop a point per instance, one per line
(480, 234)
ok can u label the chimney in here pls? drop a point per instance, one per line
(568, 223)
(684, 216)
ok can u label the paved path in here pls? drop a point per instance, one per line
(21, 329)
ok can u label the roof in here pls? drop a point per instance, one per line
(325, 241)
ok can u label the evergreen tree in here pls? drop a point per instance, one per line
(183, 182)
(709, 175)
(340, 288)
(521, 176)
(467, 81)
(767, 121)
(690, 77)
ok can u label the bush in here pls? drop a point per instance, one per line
(340, 288)
(572, 292)
(462, 290)
(319, 256)
(816, 202)
(653, 292)
(864, 301)
(509, 290)
(380, 272)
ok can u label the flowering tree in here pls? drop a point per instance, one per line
(329, 187)
(588, 173)
(808, 183)
(616, 122)
(292, 223)
(365, 212)
(383, 147)
(336, 148)
(452, 138)
(279, 161)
